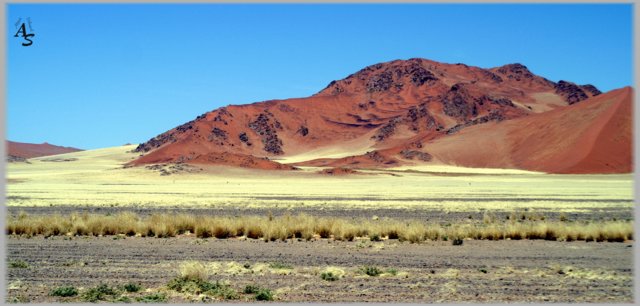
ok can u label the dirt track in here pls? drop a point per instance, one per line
(524, 271)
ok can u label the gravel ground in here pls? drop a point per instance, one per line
(476, 271)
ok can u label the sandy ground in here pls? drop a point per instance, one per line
(477, 271)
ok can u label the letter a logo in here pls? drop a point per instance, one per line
(23, 30)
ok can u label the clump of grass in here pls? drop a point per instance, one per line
(193, 270)
(488, 218)
(101, 292)
(64, 291)
(132, 287)
(371, 270)
(563, 217)
(20, 264)
(329, 276)
(152, 298)
(392, 271)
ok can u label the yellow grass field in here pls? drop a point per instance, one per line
(97, 177)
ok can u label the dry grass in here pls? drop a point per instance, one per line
(306, 227)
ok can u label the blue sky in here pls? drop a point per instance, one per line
(105, 75)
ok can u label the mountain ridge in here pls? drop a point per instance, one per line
(395, 106)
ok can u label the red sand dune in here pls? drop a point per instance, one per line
(414, 111)
(30, 150)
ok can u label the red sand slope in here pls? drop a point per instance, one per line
(594, 136)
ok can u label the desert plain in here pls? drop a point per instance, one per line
(429, 233)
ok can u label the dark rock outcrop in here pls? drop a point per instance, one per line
(591, 89)
(411, 154)
(380, 82)
(458, 103)
(244, 138)
(303, 130)
(516, 72)
(571, 92)
(494, 116)
(265, 126)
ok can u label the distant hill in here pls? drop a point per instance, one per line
(20, 151)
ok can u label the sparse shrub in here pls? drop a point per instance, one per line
(457, 241)
(264, 295)
(99, 293)
(329, 276)
(152, 298)
(203, 287)
(64, 291)
(20, 299)
(251, 289)
(20, 264)
(375, 237)
(280, 265)
(132, 287)
(371, 270)
(225, 292)
(123, 299)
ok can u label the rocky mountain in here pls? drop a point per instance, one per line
(411, 112)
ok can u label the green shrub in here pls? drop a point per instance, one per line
(392, 271)
(264, 295)
(280, 265)
(371, 271)
(21, 264)
(152, 298)
(375, 237)
(132, 287)
(64, 291)
(328, 276)
(251, 289)
(199, 286)
(99, 293)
